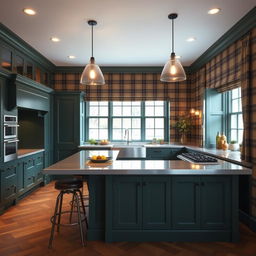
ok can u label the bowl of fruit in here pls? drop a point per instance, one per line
(104, 142)
(99, 158)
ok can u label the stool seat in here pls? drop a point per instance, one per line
(68, 184)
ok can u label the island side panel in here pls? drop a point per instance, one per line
(96, 229)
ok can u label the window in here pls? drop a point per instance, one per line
(235, 116)
(223, 113)
(145, 120)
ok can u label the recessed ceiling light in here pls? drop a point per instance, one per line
(71, 57)
(214, 11)
(55, 39)
(29, 11)
(191, 39)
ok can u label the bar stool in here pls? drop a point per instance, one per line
(71, 186)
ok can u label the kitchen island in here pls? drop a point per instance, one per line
(158, 200)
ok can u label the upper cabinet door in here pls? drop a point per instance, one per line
(156, 202)
(185, 202)
(127, 201)
(215, 202)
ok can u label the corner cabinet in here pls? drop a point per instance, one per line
(68, 123)
(170, 208)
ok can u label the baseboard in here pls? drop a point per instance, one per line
(247, 220)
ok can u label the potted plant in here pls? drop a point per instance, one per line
(183, 125)
(233, 146)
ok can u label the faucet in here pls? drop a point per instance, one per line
(127, 136)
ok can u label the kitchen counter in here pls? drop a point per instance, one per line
(232, 156)
(28, 152)
(76, 165)
(157, 200)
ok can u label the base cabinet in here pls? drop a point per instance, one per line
(171, 208)
(141, 202)
(201, 202)
(19, 177)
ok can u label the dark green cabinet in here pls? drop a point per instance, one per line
(9, 182)
(19, 176)
(215, 202)
(185, 202)
(158, 153)
(127, 202)
(201, 202)
(68, 123)
(141, 202)
(156, 202)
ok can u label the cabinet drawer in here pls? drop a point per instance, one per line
(29, 178)
(9, 171)
(29, 163)
(9, 188)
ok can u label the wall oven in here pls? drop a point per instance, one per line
(10, 137)
(10, 149)
(10, 127)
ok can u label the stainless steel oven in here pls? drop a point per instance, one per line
(10, 127)
(10, 149)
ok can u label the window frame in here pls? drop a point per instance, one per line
(110, 117)
(230, 113)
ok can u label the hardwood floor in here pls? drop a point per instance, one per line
(25, 230)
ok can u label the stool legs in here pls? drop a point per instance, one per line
(79, 218)
(60, 209)
(83, 206)
(54, 220)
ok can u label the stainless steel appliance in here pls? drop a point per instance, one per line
(10, 137)
(10, 127)
(10, 149)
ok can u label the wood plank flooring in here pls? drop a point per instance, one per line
(25, 230)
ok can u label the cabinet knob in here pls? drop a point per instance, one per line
(144, 183)
(196, 184)
(202, 183)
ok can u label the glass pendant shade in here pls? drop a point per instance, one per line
(92, 74)
(173, 71)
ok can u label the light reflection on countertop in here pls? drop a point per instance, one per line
(76, 165)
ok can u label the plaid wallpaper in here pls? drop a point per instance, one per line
(224, 70)
(131, 87)
(197, 95)
(248, 84)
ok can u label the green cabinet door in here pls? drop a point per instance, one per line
(29, 172)
(127, 201)
(185, 202)
(156, 202)
(9, 182)
(215, 202)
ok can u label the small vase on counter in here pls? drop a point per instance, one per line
(233, 146)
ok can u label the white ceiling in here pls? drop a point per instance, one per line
(129, 32)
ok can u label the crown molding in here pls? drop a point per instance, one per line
(10, 38)
(236, 32)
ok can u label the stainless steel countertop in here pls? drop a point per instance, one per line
(77, 165)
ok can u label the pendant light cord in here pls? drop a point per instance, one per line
(92, 40)
(172, 35)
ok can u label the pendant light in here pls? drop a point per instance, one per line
(173, 70)
(92, 74)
